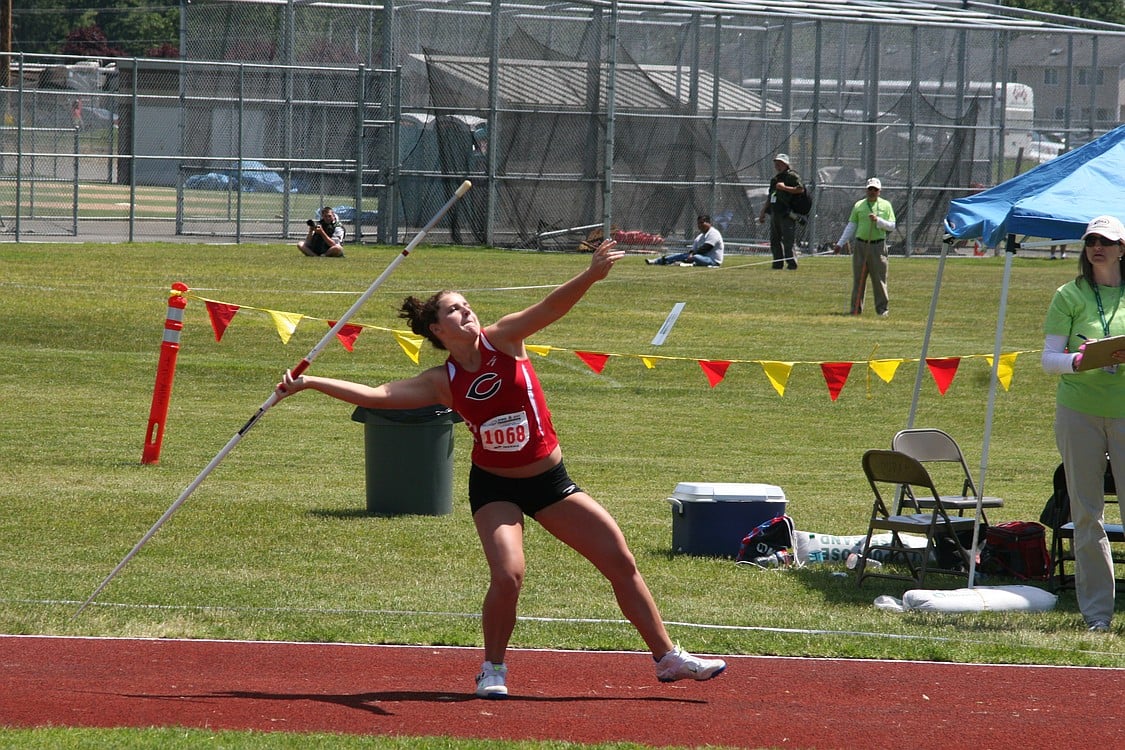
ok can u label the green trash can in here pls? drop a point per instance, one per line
(408, 460)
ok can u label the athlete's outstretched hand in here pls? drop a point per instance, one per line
(604, 258)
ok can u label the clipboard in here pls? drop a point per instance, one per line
(1099, 352)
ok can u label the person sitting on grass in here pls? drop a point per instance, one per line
(706, 249)
(325, 238)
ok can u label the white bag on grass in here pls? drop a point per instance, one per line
(812, 547)
(1017, 598)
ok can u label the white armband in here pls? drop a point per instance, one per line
(1056, 360)
(849, 233)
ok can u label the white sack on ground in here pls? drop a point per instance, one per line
(1014, 598)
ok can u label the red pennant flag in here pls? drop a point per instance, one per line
(715, 370)
(593, 360)
(943, 371)
(221, 315)
(835, 375)
(347, 334)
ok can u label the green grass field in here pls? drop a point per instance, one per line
(276, 543)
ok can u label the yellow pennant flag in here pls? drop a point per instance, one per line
(410, 344)
(286, 323)
(885, 368)
(539, 349)
(778, 374)
(1006, 368)
(649, 362)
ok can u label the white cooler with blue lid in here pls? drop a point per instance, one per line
(711, 518)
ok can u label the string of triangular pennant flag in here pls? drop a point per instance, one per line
(943, 370)
(222, 313)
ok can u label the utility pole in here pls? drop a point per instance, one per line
(6, 41)
(5, 60)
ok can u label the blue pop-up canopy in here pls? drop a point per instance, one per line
(1053, 201)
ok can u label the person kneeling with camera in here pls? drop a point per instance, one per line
(325, 238)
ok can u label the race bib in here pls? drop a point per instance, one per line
(505, 434)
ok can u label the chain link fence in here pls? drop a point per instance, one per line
(146, 149)
(568, 117)
(645, 117)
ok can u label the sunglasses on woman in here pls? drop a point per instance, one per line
(1098, 240)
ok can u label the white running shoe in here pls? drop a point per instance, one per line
(491, 681)
(678, 664)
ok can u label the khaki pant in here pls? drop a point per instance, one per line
(869, 260)
(1083, 441)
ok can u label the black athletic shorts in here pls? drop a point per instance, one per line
(531, 495)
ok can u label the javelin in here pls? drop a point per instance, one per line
(300, 368)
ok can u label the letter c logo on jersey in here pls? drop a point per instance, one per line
(484, 387)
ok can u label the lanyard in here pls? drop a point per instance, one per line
(1101, 309)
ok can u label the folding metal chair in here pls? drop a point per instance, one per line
(930, 445)
(944, 550)
(1062, 530)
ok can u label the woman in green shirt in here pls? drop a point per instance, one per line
(1090, 406)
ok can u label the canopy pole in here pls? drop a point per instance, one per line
(926, 338)
(1009, 255)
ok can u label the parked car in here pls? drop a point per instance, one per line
(254, 177)
(1040, 146)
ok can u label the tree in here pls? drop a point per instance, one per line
(166, 50)
(138, 26)
(132, 26)
(89, 42)
(38, 25)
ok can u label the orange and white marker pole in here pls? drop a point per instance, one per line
(165, 374)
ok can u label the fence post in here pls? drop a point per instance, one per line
(74, 183)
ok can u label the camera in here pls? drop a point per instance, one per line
(311, 223)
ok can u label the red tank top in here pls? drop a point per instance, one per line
(504, 408)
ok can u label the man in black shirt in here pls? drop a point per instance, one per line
(783, 226)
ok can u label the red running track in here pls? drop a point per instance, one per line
(578, 696)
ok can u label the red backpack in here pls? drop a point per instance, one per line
(1017, 549)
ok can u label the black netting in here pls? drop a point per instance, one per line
(550, 144)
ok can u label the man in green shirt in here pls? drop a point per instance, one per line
(870, 221)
